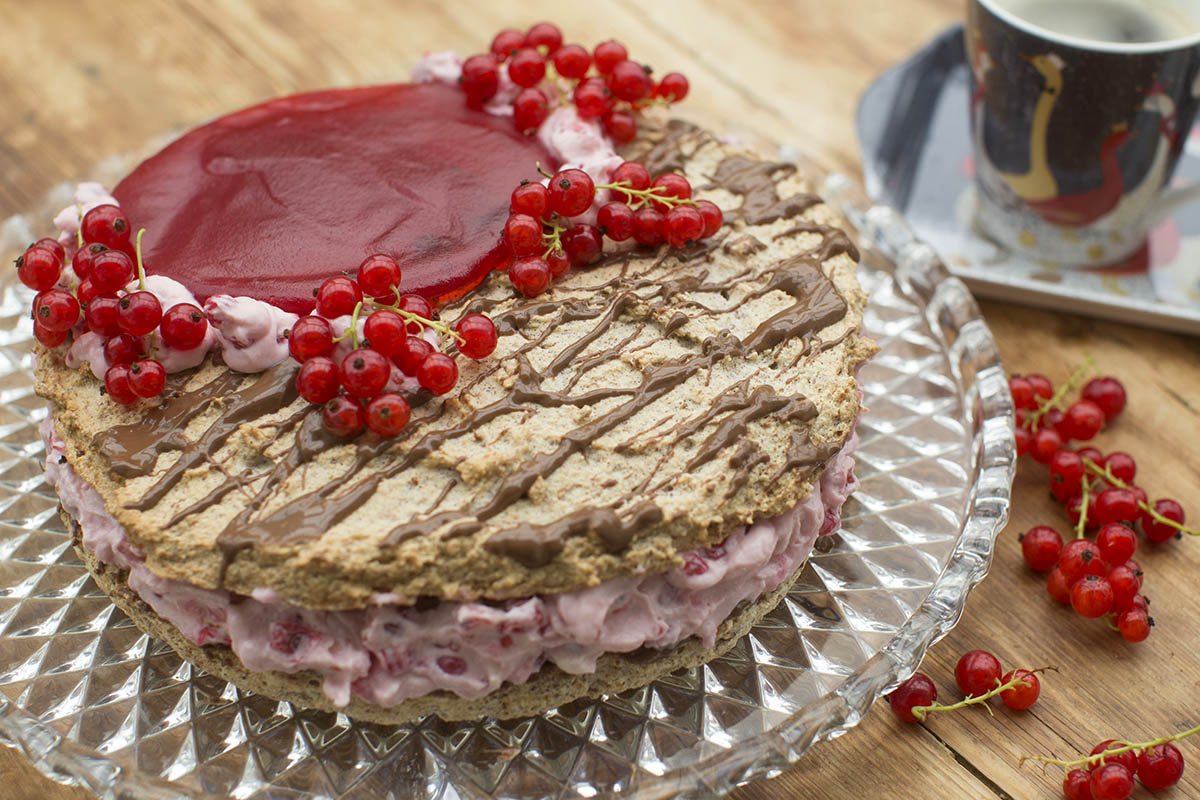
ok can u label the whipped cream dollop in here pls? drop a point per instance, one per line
(388, 653)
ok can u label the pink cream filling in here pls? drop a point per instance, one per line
(389, 653)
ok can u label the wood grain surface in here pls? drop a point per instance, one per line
(82, 80)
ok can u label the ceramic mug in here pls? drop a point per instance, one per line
(1076, 137)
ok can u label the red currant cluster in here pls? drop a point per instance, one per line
(545, 68)
(106, 261)
(545, 244)
(1107, 772)
(353, 390)
(1099, 579)
(979, 677)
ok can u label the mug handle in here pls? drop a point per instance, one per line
(1171, 201)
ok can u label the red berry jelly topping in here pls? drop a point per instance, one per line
(272, 200)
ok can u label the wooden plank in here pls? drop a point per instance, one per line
(84, 80)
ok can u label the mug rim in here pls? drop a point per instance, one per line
(1095, 45)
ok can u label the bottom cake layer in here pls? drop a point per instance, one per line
(548, 688)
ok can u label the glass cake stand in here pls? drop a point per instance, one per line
(93, 701)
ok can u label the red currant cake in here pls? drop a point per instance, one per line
(469, 396)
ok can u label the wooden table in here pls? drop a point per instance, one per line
(80, 81)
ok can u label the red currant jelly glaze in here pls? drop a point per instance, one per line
(270, 201)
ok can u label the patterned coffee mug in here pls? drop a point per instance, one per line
(1075, 140)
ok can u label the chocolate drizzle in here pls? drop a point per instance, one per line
(651, 297)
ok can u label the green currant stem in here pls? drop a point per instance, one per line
(79, 232)
(1107, 475)
(141, 269)
(542, 171)
(351, 331)
(553, 239)
(1055, 400)
(920, 711)
(1081, 525)
(1125, 747)
(409, 316)
(639, 197)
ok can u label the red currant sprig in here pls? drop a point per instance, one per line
(1107, 772)
(604, 85)
(545, 244)
(978, 676)
(353, 391)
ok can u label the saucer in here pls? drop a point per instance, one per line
(917, 158)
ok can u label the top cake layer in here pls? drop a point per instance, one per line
(266, 203)
(640, 408)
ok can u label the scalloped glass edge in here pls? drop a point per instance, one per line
(952, 313)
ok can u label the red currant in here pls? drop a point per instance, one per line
(438, 373)
(523, 234)
(1046, 443)
(648, 226)
(387, 414)
(1081, 557)
(634, 174)
(1114, 505)
(713, 217)
(1107, 393)
(147, 377)
(607, 55)
(583, 244)
(1041, 386)
(530, 109)
(558, 262)
(916, 691)
(54, 246)
(1117, 543)
(1041, 547)
(530, 275)
(122, 349)
(1093, 455)
(416, 304)
(106, 225)
(111, 270)
(1137, 602)
(684, 225)
(102, 316)
(1057, 586)
(386, 332)
(977, 672)
(571, 192)
(1111, 782)
(86, 292)
(1066, 474)
(1053, 419)
(480, 77)
(544, 35)
(531, 199)
(343, 417)
(81, 262)
(1083, 420)
(139, 313)
(616, 221)
(377, 276)
(1021, 697)
(38, 268)
(673, 87)
(620, 126)
(506, 43)
(184, 327)
(1092, 597)
(1122, 466)
(56, 309)
(592, 99)
(630, 81)
(1159, 531)
(365, 372)
(309, 337)
(318, 380)
(526, 67)
(572, 61)
(116, 383)
(415, 351)
(1134, 625)
(1160, 767)
(1024, 440)
(670, 184)
(337, 297)
(479, 336)
(1075, 785)
(47, 337)
(1022, 393)
(1127, 758)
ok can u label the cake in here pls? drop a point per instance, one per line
(628, 474)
